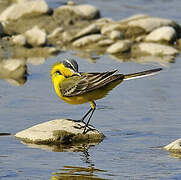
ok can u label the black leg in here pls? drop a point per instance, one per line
(82, 120)
(93, 107)
(84, 132)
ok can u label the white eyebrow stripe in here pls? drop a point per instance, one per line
(71, 64)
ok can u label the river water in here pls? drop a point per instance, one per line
(138, 117)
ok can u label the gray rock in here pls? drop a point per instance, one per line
(36, 36)
(87, 40)
(162, 34)
(119, 46)
(19, 40)
(87, 11)
(18, 10)
(115, 35)
(155, 49)
(175, 146)
(72, 14)
(61, 131)
(148, 24)
(91, 29)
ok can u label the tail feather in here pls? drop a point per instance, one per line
(142, 74)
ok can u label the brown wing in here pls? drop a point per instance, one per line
(74, 86)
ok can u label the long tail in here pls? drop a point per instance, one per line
(142, 74)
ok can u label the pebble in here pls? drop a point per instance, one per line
(91, 29)
(36, 36)
(156, 49)
(148, 24)
(166, 34)
(119, 46)
(87, 40)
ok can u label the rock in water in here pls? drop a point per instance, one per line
(28, 8)
(155, 49)
(36, 36)
(164, 34)
(60, 131)
(174, 147)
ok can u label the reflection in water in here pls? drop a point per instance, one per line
(175, 154)
(76, 172)
(13, 71)
(73, 172)
(62, 148)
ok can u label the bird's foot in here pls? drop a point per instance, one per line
(88, 128)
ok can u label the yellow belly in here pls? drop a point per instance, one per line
(89, 96)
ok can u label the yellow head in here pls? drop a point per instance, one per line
(64, 69)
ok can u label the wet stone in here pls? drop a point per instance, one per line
(71, 14)
(91, 29)
(36, 36)
(60, 131)
(164, 34)
(87, 40)
(28, 8)
(174, 146)
(155, 49)
(119, 46)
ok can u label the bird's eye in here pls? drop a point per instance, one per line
(58, 72)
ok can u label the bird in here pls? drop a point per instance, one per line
(76, 87)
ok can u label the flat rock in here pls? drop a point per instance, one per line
(60, 131)
(36, 36)
(71, 14)
(87, 40)
(155, 49)
(148, 24)
(28, 8)
(119, 46)
(141, 24)
(163, 34)
(174, 147)
(91, 29)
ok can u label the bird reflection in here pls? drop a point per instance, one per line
(73, 172)
(14, 71)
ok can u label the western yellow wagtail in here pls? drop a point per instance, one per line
(76, 87)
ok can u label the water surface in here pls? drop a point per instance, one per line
(138, 117)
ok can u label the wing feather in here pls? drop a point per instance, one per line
(77, 85)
